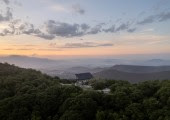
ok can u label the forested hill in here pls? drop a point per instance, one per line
(26, 94)
(17, 81)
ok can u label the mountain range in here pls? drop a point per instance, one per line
(134, 73)
(131, 70)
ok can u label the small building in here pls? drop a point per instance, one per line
(82, 78)
(106, 90)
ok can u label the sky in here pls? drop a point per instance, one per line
(84, 27)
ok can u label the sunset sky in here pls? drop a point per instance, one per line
(84, 27)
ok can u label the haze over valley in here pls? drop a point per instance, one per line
(100, 67)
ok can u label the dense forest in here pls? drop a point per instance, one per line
(27, 94)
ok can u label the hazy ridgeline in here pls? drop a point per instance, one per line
(67, 68)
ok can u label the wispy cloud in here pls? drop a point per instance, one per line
(81, 45)
(15, 2)
(7, 17)
(161, 17)
(86, 45)
(148, 30)
(31, 49)
(6, 1)
(59, 8)
(78, 9)
(141, 39)
(75, 8)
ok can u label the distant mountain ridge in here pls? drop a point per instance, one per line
(67, 68)
(29, 62)
(134, 73)
(140, 69)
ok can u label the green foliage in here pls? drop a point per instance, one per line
(99, 86)
(26, 94)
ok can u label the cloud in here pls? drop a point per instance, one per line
(29, 29)
(164, 16)
(53, 29)
(29, 49)
(20, 49)
(86, 45)
(45, 36)
(17, 27)
(131, 30)
(7, 32)
(49, 49)
(58, 8)
(147, 20)
(6, 1)
(111, 29)
(81, 45)
(141, 39)
(64, 29)
(17, 3)
(27, 45)
(124, 26)
(78, 9)
(161, 17)
(85, 27)
(8, 15)
(161, 4)
(96, 29)
(148, 30)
